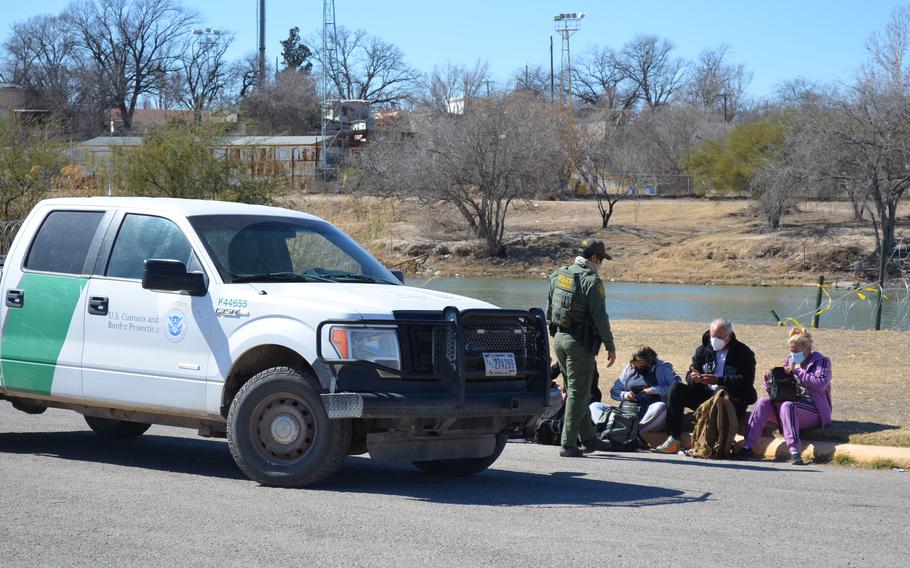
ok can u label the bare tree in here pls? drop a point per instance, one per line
(205, 72)
(661, 138)
(287, 105)
(244, 75)
(649, 63)
(131, 42)
(889, 51)
(41, 54)
(532, 80)
(501, 150)
(716, 83)
(452, 81)
(609, 165)
(367, 68)
(600, 78)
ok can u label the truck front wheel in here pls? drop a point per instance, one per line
(463, 467)
(279, 433)
(111, 428)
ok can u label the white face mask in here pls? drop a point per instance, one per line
(717, 343)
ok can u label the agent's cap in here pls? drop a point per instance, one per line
(593, 246)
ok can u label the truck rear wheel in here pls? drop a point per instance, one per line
(463, 467)
(111, 428)
(279, 433)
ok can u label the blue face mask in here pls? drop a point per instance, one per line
(799, 357)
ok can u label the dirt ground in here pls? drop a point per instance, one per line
(869, 387)
(692, 241)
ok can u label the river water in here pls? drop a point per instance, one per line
(675, 302)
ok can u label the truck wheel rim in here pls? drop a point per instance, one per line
(283, 429)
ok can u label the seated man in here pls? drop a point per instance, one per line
(644, 385)
(720, 361)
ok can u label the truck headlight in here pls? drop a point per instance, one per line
(377, 345)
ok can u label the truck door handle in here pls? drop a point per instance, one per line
(97, 305)
(15, 298)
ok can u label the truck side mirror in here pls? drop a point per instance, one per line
(171, 276)
(398, 274)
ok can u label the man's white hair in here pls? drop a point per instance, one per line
(724, 323)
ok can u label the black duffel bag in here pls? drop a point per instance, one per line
(782, 385)
(548, 430)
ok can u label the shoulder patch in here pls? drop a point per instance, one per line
(565, 282)
(601, 290)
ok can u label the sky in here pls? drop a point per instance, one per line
(777, 40)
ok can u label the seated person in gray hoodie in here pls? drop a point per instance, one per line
(644, 382)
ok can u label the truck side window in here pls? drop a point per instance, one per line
(63, 241)
(143, 237)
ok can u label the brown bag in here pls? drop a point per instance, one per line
(716, 424)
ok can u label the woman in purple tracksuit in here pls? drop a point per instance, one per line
(811, 410)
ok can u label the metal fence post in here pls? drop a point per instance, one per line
(818, 302)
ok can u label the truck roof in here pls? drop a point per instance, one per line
(185, 207)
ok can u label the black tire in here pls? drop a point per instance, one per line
(279, 433)
(111, 428)
(463, 467)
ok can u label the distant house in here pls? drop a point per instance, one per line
(12, 97)
(293, 158)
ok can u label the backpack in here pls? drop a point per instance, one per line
(716, 424)
(782, 386)
(619, 428)
(548, 430)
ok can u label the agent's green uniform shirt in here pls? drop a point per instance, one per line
(586, 302)
(577, 294)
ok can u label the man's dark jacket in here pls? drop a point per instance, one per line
(739, 370)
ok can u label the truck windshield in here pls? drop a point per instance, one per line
(253, 248)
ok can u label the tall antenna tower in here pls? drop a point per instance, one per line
(329, 57)
(566, 25)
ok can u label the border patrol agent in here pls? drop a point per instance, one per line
(579, 323)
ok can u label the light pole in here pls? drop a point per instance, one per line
(567, 24)
(207, 37)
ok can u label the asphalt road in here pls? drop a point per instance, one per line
(69, 498)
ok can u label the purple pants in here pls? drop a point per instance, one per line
(793, 417)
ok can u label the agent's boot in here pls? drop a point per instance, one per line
(570, 453)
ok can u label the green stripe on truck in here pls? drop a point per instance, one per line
(34, 334)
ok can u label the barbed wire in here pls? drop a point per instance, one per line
(8, 230)
(866, 293)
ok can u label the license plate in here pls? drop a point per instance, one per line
(500, 364)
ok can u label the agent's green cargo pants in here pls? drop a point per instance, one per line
(577, 364)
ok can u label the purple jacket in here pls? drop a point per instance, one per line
(816, 377)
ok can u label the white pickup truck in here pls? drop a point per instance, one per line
(265, 325)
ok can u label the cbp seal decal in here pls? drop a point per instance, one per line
(175, 325)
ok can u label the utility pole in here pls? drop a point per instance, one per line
(261, 43)
(724, 97)
(551, 69)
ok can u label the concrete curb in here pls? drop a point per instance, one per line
(775, 449)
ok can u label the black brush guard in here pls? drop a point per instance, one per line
(455, 384)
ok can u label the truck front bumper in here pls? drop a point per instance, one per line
(419, 405)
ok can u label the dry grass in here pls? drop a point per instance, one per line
(871, 371)
(676, 241)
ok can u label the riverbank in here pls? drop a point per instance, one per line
(869, 387)
(680, 241)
